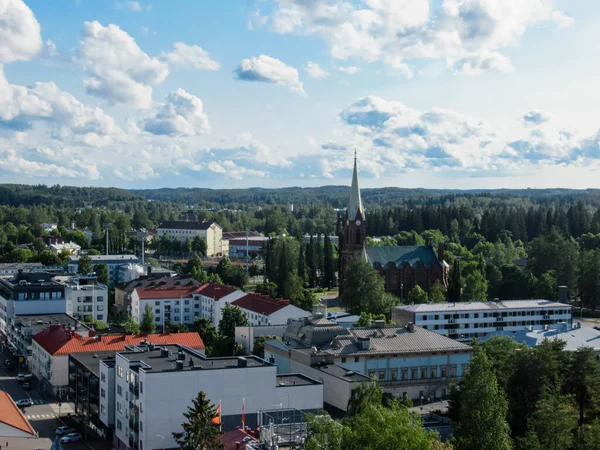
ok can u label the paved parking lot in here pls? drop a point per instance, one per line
(44, 414)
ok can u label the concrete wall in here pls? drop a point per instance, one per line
(303, 397)
(289, 312)
(247, 335)
(107, 403)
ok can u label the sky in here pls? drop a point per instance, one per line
(461, 94)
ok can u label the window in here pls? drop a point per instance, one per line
(119, 425)
(186, 318)
(157, 303)
(100, 316)
(102, 393)
(414, 373)
(119, 390)
(127, 375)
(381, 375)
(141, 387)
(394, 374)
(186, 302)
(186, 310)
(356, 358)
(443, 371)
(176, 302)
(157, 319)
(176, 318)
(343, 360)
(120, 371)
(157, 311)
(141, 426)
(103, 377)
(119, 407)
(102, 409)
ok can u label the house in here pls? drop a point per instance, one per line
(52, 346)
(466, 320)
(29, 293)
(129, 263)
(402, 267)
(408, 360)
(211, 298)
(70, 247)
(211, 232)
(124, 289)
(87, 299)
(152, 389)
(264, 310)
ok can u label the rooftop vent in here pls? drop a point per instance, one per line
(164, 352)
(364, 343)
(179, 364)
(242, 362)
(379, 323)
(411, 327)
(191, 362)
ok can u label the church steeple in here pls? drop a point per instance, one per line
(355, 205)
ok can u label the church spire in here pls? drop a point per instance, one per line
(355, 205)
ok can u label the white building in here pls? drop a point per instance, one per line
(51, 349)
(264, 310)
(86, 297)
(466, 320)
(113, 262)
(169, 304)
(71, 247)
(211, 232)
(152, 389)
(212, 298)
(49, 226)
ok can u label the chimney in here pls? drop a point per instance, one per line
(379, 323)
(563, 294)
(149, 270)
(441, 251)
(164, 352)
(411, 327)
(191, 362)
(179, 364)
(242, 362)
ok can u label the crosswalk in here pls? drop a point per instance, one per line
(39, 416)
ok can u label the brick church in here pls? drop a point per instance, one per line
(402, 267)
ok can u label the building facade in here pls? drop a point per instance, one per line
(211, 232)
(113, 263)
(86, 298)
(467, 320)
(264, 310)
(211, 298)
(29, 293)
(402, 267)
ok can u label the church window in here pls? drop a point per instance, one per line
(358, 236)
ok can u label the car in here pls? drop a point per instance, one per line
(71, 437)
(64, 430)
(26, 385)
(24, 402)
(20, 377)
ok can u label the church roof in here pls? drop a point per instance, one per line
(412, 255)
(355, 206)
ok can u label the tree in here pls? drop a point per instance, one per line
(130, 326)
(199, 245)
(171, 327)
(328, 264)
(207, 331)
(417, 296)
(483, 409)
(47, 258)
(324, 433)
(583, 381)
(148, 324)
(199, 431)
(555, 421)
(367, 319)
(187, 245)
(232, 316)
(363, 395)
(437, 293)
(101, 273)
(363, 290)
(84, 265)
(476, 287)
(455, 283)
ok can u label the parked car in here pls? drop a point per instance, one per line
(24, 402)
(71, 437)
(26, 385)
(20, 377)
(64, 430)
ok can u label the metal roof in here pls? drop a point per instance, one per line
(399, 255)
(574, 337)
(481, 306)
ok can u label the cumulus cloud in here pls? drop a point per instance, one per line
(190, 56)
(229, 169)
(181, 115)
(483, 62)
(536, 117)
(313, 70)
(264, 69)
(392, 31)
(20, 37)
(130, 5)
(11, 161)
(350, 70)
(120, 71)
(135, 172)
(562, 20)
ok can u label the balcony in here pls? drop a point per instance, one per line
(134, 389)
(412, 382)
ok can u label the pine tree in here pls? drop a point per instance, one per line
(311, 263)
(199, 431)
(148, 324)
(328, 265)
(84, 265)
(302, 263)
(483, 409)
(455, 283)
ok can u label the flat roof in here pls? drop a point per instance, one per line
(340, 372)
(32, 321)
(153, 362)
(118, 258)
(91, 361)
(295, 379)
(482, 306)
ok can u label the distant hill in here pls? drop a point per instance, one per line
(62, 196)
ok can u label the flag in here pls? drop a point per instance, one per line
(217, 419)
(243, 417)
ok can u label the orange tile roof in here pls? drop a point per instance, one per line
(11, 415)
(160, 292)
(58, 341)
(214, 290)
(261, 304)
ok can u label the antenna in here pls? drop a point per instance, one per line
(106, 227)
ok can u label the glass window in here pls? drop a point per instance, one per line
(120, 371)
(102, 393)
(119, 390)
(119, 425)
(141, 387)
(157, 303)
(343, 360)
(381, 375)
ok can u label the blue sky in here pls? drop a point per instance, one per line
(445, 93)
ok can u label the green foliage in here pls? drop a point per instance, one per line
(148, 324)
(583, 381)
(130, 326)
(259, 345)
(364, 395)
(476, 287)
(483, 409)
(171, 327)
(232, 274)
(232, 316)
(88, 318)
(207, 332)
(554, 421)
(367, 319)
(455, 283)
(84, 265)
(101, 273)
(100, 325)
(198, 430)
(417, 296)
(437, 293)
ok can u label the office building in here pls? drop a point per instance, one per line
(211, 232)
(87, 299)
(129, 265)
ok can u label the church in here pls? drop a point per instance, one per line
(402, 267)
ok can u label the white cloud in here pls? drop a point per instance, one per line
(135, 172)
(313, 70)
(11, 161)
(350, 70)
(393, 31)
(231, 170)
(181, 115)
(264, 69)
(20, 37)
(535, 117)
(120, 71)
(562, 20)
(145, 31)
(190, 56)
(133, 6)
(483, 62)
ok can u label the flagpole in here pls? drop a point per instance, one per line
(220, 420)
(243, 416)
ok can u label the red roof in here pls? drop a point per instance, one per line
(160, 292)
(261, 304)
(214, 290)
(11, 415)
(230, 439)
(58, 341)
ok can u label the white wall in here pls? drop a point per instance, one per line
(247, 335)
(303, 397)
(107, 403)
(289, 312)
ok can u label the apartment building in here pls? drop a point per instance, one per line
(86, 298)
(211, 232)
(264, 310)
(153, 388)
(211, 298)
(29, 293)
(128, 263)
(467, 320)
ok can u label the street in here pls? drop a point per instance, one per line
(44, 414)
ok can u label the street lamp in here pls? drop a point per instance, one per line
(163, 440)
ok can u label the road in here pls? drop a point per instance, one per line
(44, 414)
